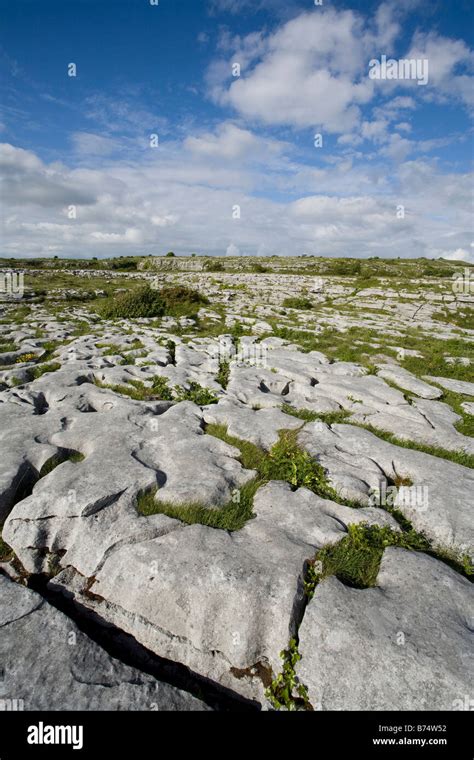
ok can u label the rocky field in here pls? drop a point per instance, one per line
(237, 485)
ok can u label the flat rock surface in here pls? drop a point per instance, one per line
(404, 645)
(111, 479)
(49, 664)
(360, 466)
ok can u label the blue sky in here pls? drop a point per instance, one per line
(80, 177)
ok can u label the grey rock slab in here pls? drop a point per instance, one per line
(260, 427)
(423, 421)
(408, 381)
(258, 388)
(49, 664)
(457, 386)
(359, 464)
(219, 601)
(87, 507)
(404, 645)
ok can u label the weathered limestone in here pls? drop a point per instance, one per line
(404, 645)
(49, 664)
(359, 464)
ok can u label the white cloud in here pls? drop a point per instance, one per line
(445, 57)
(231, 142)
(310, 74)
(460, 254)
(178, 202)
(313, 70)
(89, 144)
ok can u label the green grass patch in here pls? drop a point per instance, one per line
(458, 457)
(41, 369)
(8, 348)
(297, 303)
(65, 455)
(286, 461)
(138, 391)
(309, 416)
(232, 516)
(355, 559)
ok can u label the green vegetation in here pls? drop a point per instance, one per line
(459, 457)
(283, 462)
(36, 372)
(460, 318)
(259, 268)
(171, 346)
(144, 303)
(330, 418)
(196, 393)
(110, 349)
(138, 391)
(182, 302)
(286, 461)
(341, 417)
(286, 690)
(161, 389)
(147, 303)
(8, 348)
(64, 455)
(297, 303)
(223, 375)
(214, 266)
(355, 560)
(433, 360)
(232, 516)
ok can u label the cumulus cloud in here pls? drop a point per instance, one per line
(180, 203)
(232, 142)
(311, 73)
(313, 70)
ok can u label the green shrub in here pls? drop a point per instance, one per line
(146, 302)
(297, 303)
(180, 301)
(286, 461)
(161, 389)
(127, 264)
(223, 375)
(41, 369)
(143, 302)
(214, 266)
(196, 393)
